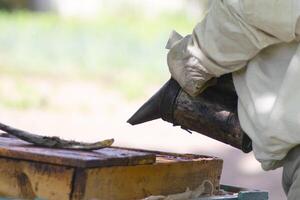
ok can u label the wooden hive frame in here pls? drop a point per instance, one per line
(30, 172)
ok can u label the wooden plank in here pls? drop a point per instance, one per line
(79, 184)
(15, 148)
(27, 174)
(173, 156)
(28, 180)
(168, 175)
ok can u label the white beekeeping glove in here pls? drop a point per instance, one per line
(184, 64)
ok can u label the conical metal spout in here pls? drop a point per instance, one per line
(159, 105)
(149, 111)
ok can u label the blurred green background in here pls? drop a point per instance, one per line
(121, 44)
(78, 69)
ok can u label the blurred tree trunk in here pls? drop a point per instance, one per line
(41, 5)
(34, 5)
(13, 4)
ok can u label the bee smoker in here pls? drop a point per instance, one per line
(212, 113)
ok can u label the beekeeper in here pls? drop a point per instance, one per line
(257, 41)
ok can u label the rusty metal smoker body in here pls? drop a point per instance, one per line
(212, 113)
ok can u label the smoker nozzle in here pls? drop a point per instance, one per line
(160, 105)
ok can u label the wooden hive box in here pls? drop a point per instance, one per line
(30, 172)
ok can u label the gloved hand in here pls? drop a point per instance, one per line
(185, 66)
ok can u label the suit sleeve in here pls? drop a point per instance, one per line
(231, 34)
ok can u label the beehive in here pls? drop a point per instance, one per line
(113, 173)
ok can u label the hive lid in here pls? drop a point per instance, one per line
(18, 149)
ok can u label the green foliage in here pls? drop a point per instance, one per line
(124, 49)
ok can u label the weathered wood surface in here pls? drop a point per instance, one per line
(15, 148)
(169, 175)
(28, 180)
(25, 173)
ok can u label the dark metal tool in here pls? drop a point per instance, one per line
(54, 142)
(212, 113)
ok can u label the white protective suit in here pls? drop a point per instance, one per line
(257, 40)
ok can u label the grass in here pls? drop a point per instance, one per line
(124, 50)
